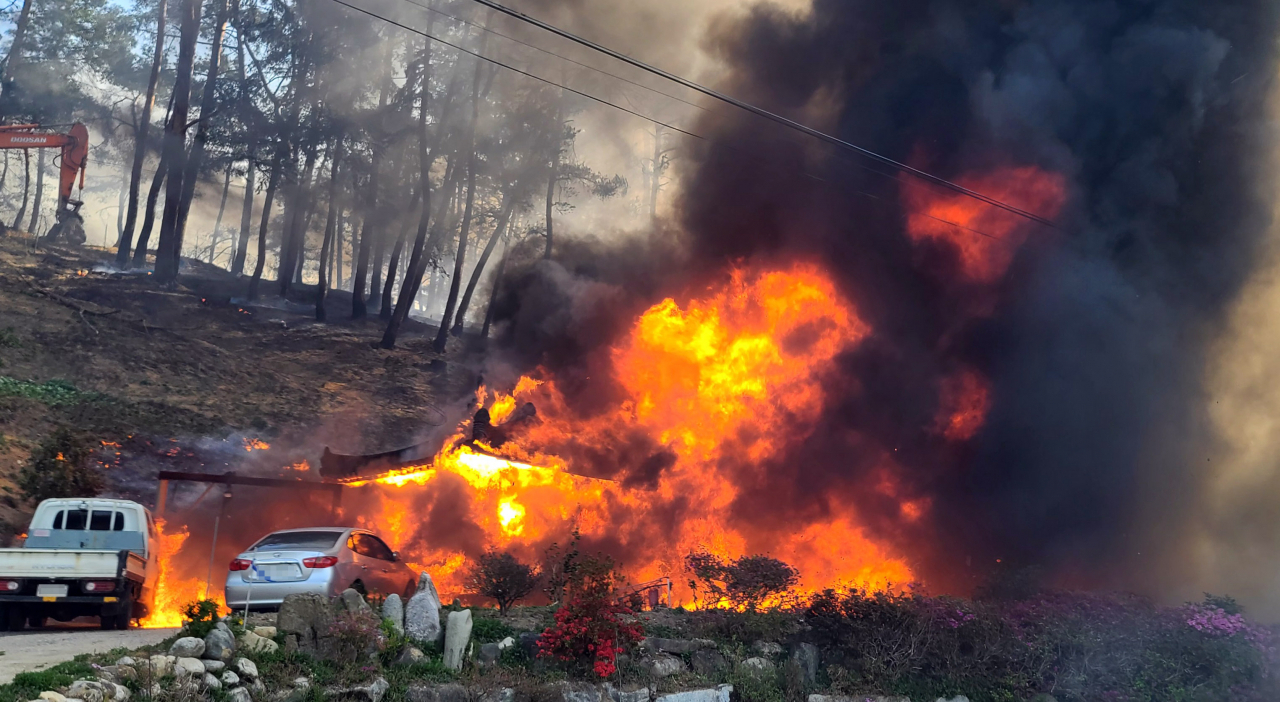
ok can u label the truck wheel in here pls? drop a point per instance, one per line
(14, 618)
(36, 621)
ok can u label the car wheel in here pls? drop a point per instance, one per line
(359, 587)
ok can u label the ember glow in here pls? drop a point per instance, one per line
(706, 389)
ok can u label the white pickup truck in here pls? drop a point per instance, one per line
(82, 557)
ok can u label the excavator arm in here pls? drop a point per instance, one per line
(75, 155)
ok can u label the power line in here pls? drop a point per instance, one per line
(760, 112)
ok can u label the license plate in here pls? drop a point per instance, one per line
(51, 591)
(276, 572)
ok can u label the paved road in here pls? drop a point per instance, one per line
(39, 649)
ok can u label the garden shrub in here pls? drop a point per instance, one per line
(60, 467)
(745, 583)
(200, 617)
(500, 576)
(592, 627)
(489, 630)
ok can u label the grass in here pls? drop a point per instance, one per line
(27, 686)
(51, 392)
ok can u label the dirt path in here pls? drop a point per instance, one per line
(36, 650)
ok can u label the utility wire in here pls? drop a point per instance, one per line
(792, 124)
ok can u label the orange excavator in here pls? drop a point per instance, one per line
(69, 225)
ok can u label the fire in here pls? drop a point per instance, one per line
(172, 589)
(965, 399)
(985, 237)
(301, 466)
(256, 445)
(707, 390)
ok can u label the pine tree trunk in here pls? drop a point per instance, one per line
(273, 181)
(493, 293)
(140, 140)
(26, 188)
(498, 230)
(35, 208)
(13, 60)
(149, 216)
(169, 249)
(330, 229)
(394, 265)
(217, 222)
(124, 192)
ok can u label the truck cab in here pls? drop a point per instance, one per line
(82, 556)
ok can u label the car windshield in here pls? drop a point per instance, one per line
(315, 540)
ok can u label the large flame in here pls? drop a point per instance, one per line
(707, 390)
(172, 589)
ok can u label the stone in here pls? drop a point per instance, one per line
(709, 662)
(506, 643)
(187, 667)
(767, 649)
(51, 696)
(229, 678)
(528, 642)
(253, 643)
(457, 636)
(502, 694)
(239, 694)
(187, 647)
(161, 665)
(393, 610)
(805, 657)
(212, 682)
(371, 692)
(126, 672)
(578, 692)
(635, 694)
(213, 666)
(291, 643)
(246, 667)
(87, 690)
(422, 692)
(408, 656)
(759, 665)
(120, 692)
(422, 614)
(665, 665)
(720, 693)
(353, 601)
(307, 616)
(680, 647)
(126, 660)
(266, 632)
(489, 654)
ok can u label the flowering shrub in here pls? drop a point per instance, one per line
(591, 628)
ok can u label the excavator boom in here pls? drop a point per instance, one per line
(75, 154)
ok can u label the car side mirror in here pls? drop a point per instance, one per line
(395, 555)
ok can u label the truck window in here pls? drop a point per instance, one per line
(57, 519)
(118, 524)
(76, 519)
(100, 520)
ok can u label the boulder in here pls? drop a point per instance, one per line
(528, 642)
(720, 693)
(422, 692)
(369, 692)
(308, 616)
(577, 692)
(187, 647)
(162, 665)
(422, 615)
(239, 694)
(805, 657)
(87, 690)
(506, 643)
(51, 696)
(489, 654)
(353, 601)
(212, 682)
(709, 662)
(126, 660)
(229, 678)
(266, 632)
(246, 668)
(665, 665)
(393, 609)
(759, 665)
(189, 667)
(767, 649)
(680, 647)
(502, 694)
(627, 694)
(219, 644)
(409, 655)
(457, 636)
(213, 666)
(122, 693)
(126, 672)
(253, 643)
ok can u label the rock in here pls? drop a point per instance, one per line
(759, 665)
(266, 632)
(578, 692)
(187, 667)
(456, 638)
(767, 649)
(87, 690)
(126, 660)
(805, 657)
(353, 601)
(489, 654)
(187, 647)
(506, 643)
(291, 643)
(126, 672)
(238, 694)
(372, 692)
(393, 609)
(307, 616)
(422, 692)
(665, 665)
(212, 682)
(528, 642)
(161, 665)
(639, 694)
(709, 662)
(253, 643)
(229, 678)
(720, 693)
(246, 667)
(680, 647)
(120, 692)
(51, 696)
(408, 656)
(422, 615)
(213, 666)
(502, 694)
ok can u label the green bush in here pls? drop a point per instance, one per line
(27, 686)
(488, 630)
(201, 617)
(60, 467)
(50, 392)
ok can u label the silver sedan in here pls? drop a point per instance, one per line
(323, 560)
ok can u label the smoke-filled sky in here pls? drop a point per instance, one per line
(1129, 430)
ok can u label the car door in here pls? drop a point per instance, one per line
(390, 576)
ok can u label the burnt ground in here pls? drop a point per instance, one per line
(143, 366)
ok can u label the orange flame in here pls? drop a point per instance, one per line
(717, 385)
(256, 445)
(965, 399)
(172, 589)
